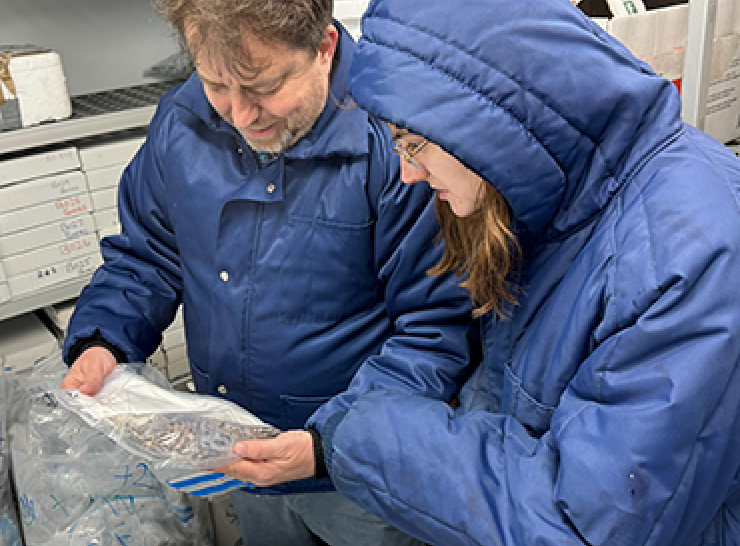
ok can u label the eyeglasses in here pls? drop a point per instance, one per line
(408, 152)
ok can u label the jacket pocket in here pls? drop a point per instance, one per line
(201, 377)
(328, 273)
(297, 409)
(517, 402)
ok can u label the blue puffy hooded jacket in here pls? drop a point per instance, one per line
(296, 280)
(607, 411)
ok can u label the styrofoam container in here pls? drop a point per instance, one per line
(33, 88)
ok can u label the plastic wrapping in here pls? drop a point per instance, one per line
(9, 535)
(166, 428)
(76, 487)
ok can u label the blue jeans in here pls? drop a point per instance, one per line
(311, 519)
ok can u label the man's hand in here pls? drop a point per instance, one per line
(287, 457)
(89, 370)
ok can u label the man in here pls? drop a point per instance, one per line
(277, 217)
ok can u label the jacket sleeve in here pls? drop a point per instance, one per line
(134, 295)
(429, 350)
(642, 449)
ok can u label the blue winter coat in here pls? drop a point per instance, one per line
(608, 409)
(295, 280)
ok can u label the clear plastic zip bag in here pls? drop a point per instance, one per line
(167, 428)
(77, 487)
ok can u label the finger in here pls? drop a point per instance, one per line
(257, 473)
(258, 450)
(92, 382)
(89, 387)
(72, 380)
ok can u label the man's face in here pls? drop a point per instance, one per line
(278, 106)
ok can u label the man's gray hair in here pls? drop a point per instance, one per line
(216, 28)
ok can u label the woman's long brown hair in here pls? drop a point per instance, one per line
(483, 247)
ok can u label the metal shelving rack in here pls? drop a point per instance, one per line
(93, 114)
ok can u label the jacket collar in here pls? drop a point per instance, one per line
(339, 130)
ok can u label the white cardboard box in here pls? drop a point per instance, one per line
(103, 233)
(178, 364)
(158, 361)
(23, 340)
(36, 165)
(41, 257)
(178, 368)
(107, 177)
(104, 199)
(225, 522)
(659, 38)
(48, 276)
(172, 337)
(21, 241)
(61, 312)
(33, 88)
(44, 213)
(107, 221)
(106, 154)
(39, 190)
(178, 321)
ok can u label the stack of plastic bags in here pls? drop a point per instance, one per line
(8, 517)
(75, 486)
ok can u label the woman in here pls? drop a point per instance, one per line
(599, 236)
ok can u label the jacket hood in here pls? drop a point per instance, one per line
(531, 95)
(328, 135)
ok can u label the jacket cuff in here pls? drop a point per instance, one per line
(330, 426)
(96, 340)
(318, 455)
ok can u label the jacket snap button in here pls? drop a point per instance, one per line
(225, 276)
(222, 389)
(270, 188)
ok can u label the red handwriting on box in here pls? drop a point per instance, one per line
(70, 206)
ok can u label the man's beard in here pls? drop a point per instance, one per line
(287, 139)
(300, 126)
